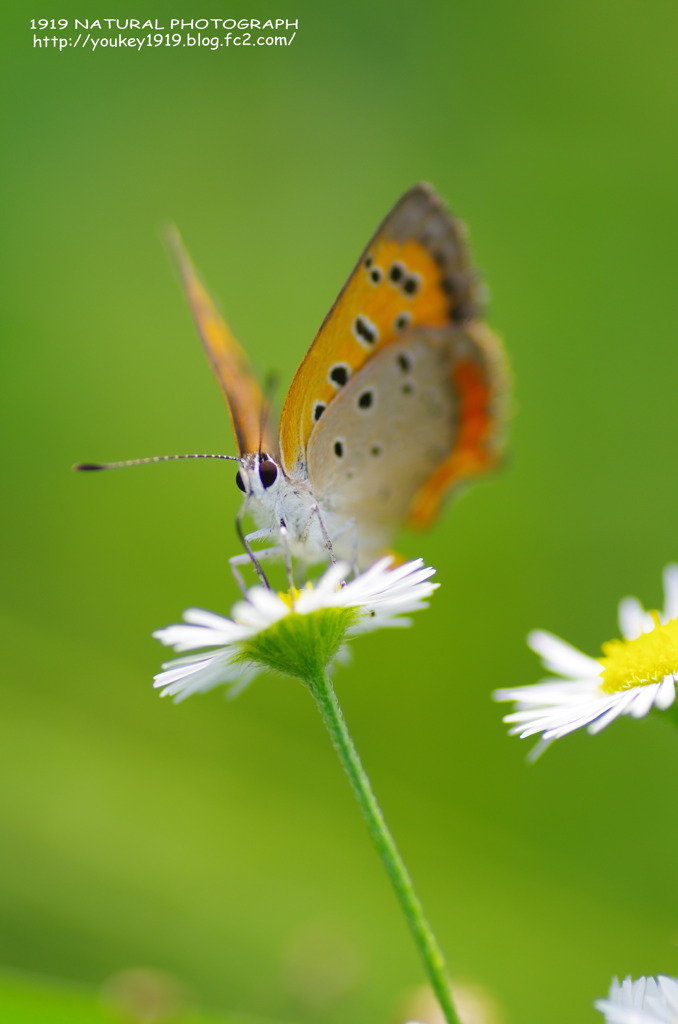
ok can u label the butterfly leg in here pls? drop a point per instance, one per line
(351, 525)
(234, 562)
(245, 559)
(315, 511)
(354, 545)
(245, 540)
(287, 556)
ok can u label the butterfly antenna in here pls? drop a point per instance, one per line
(88, 466)
(270, 387)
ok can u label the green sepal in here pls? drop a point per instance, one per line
(301, 645)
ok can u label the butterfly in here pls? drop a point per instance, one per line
(399, 400)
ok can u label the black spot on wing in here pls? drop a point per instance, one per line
(339, 374)
(365, 332)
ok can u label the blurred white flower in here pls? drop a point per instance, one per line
(289, 632)
(473, 1002)
(645, 1001)
(631, 677)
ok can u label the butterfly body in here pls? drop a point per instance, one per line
(398, 400)
(277, 503)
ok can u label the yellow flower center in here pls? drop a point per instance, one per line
(647, 659)
(290, 597)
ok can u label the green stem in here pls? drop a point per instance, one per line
(430, 951)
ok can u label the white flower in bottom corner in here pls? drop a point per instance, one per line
(298, 633)
(645, 1001)
(631, 677)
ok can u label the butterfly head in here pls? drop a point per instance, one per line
(259, 475)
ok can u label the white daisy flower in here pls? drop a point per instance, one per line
(297, 634)
(631, 677)
(645, 1001)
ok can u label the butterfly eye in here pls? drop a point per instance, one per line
(240, 482)
(268, 471)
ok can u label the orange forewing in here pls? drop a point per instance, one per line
(229, 362)
(426, 245)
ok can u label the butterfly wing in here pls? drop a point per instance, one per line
(231, 367)
(418, 419)
(415, 272)
(478, 379)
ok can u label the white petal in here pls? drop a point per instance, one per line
(621, 1015)
(538, 749)
(644, 1001)
(249, 672)
(551, 692)
(406, 571)
(182, 668)
(589, 718)
(188, 659)
(561, 657)
(198, 678)
(622, 700)
(671, 592)
(380, 586)
(369, 623)
(633, 619)
(199, 617)
(643, 701)
(551, 718)
(559, 721)
(666, 693)
(669, 986)
(330, 582)
(261, 609)
(191, 638)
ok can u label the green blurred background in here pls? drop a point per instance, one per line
(216, 841)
